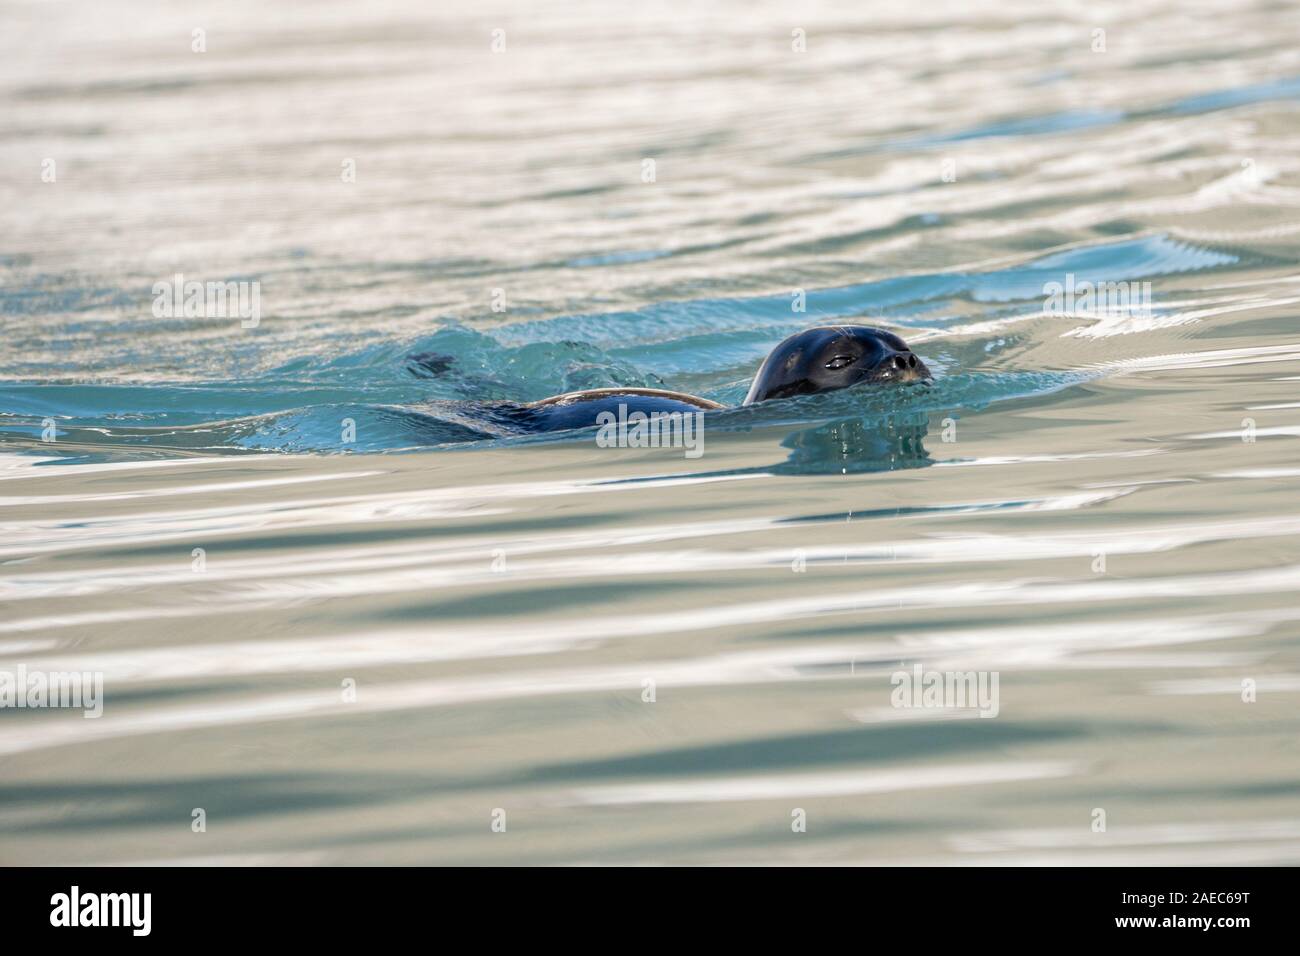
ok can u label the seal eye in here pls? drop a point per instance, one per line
(840, 361)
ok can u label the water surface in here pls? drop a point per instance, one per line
(1097, 503)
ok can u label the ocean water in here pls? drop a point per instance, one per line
(340, 618)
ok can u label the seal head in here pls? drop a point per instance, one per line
(833, 357)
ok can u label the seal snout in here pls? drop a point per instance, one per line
(901, 366)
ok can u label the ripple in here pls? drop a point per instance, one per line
(812, 786)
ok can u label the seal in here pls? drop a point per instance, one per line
(583, 409)
(822, 359)
(832, 357)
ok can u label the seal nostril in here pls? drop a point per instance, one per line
(911, 361)
(899, 362)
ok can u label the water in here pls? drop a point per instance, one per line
(1071, 505)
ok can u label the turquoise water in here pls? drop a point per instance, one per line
(230, 524)
(708, 346)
